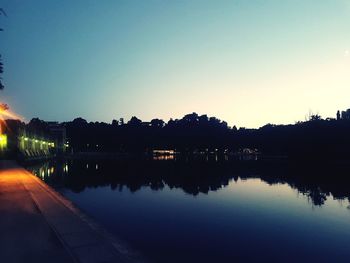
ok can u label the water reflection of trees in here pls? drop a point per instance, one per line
(317, 183)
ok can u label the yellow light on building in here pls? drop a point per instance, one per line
(3, 141)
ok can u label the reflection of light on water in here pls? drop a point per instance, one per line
(87, 166)
(65, 168)
(250, 187)
(163, 157)
(342, 202)
(163, 152)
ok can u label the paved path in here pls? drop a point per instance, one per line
(39, 225)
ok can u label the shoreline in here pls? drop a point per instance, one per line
(28, 198)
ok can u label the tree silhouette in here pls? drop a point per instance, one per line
(134, 121)
(315, 117)
(2, 12)
(1, 72)
(157, 123)
(114, 122)
(345, 115)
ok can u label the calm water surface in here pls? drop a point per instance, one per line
(213, 212)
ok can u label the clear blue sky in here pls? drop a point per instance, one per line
(246, 62)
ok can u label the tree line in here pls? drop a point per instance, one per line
(313, 138)
(2, 12)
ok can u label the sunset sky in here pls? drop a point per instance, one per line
(246, 62)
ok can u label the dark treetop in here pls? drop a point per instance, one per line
(315, 138)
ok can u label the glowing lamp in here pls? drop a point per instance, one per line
(3, 141)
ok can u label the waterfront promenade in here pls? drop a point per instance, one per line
(39, 225)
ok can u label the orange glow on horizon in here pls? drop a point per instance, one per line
(5, 113)
(11, 115)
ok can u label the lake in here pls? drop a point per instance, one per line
(213, 211)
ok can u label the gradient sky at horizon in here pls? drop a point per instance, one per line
(246, 62)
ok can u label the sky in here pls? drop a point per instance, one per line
(246, 62)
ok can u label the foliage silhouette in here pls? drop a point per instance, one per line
(317, 138)
(196, 177)
(2, 12)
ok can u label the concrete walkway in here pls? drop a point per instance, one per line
(39, 225)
